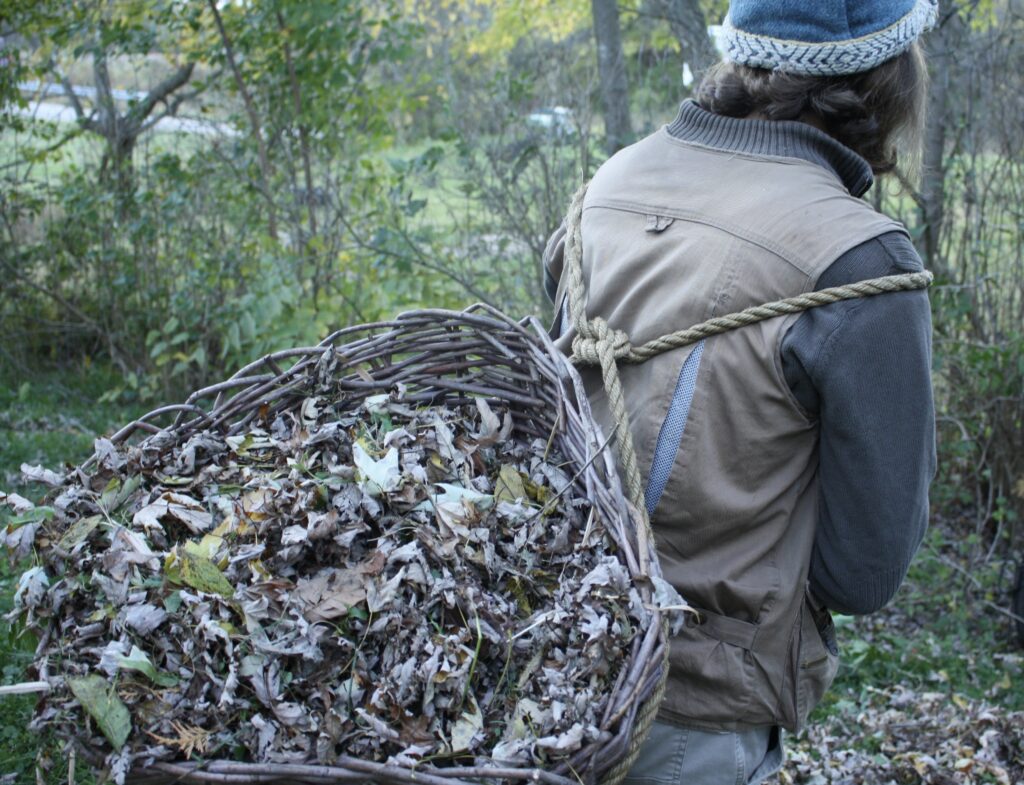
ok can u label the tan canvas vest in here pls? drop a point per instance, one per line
(673, 234)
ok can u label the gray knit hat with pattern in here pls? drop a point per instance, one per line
(823, 37)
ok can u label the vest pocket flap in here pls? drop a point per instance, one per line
(722, 693)
(729, 630)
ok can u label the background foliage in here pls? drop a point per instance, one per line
(185, 186)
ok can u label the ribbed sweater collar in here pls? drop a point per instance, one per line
(784, 138)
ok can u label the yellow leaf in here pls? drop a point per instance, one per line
(919, 765)
(205, 548)
(509, 486)
(257, 567)
(172, 567)
(537, 492)
(101, 614)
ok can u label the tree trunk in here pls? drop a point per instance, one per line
(117, 170)
(933, 161)
(611, 65)
(266, 173)
(690, 29)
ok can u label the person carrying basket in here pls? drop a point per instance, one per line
(783, 457)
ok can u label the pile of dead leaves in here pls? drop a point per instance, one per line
(903, 736)
(389, 582)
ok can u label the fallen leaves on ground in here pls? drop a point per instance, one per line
(902, 736)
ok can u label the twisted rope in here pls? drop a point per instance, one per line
(597, 343)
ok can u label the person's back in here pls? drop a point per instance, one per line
(758, 447)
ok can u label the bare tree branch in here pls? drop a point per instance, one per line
(908, 187)
(42, 152)
(105, 95)
(69, 90)
(303, 130)
(171, 109)
(161, 91)
(84, 319)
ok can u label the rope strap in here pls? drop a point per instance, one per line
(585, 351)
(597, 343)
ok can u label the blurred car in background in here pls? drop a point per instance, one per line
(554, 120)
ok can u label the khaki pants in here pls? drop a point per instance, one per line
(674, 755)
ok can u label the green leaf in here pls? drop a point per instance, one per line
(202, 574)
(117, 493)
(232, 341)
(109, 493)
(78, 531)
(138, 661)
(172, 602)
(111, 395)
(35, 515)
(164, 480)
(99, 699)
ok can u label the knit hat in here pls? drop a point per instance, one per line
(823, 37)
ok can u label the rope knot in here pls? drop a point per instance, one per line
(599, 336)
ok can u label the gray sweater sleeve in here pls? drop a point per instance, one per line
(863, 369)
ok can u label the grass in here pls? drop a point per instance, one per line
(51, 419)
(942, 633)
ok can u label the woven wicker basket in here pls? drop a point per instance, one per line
(446, 358)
